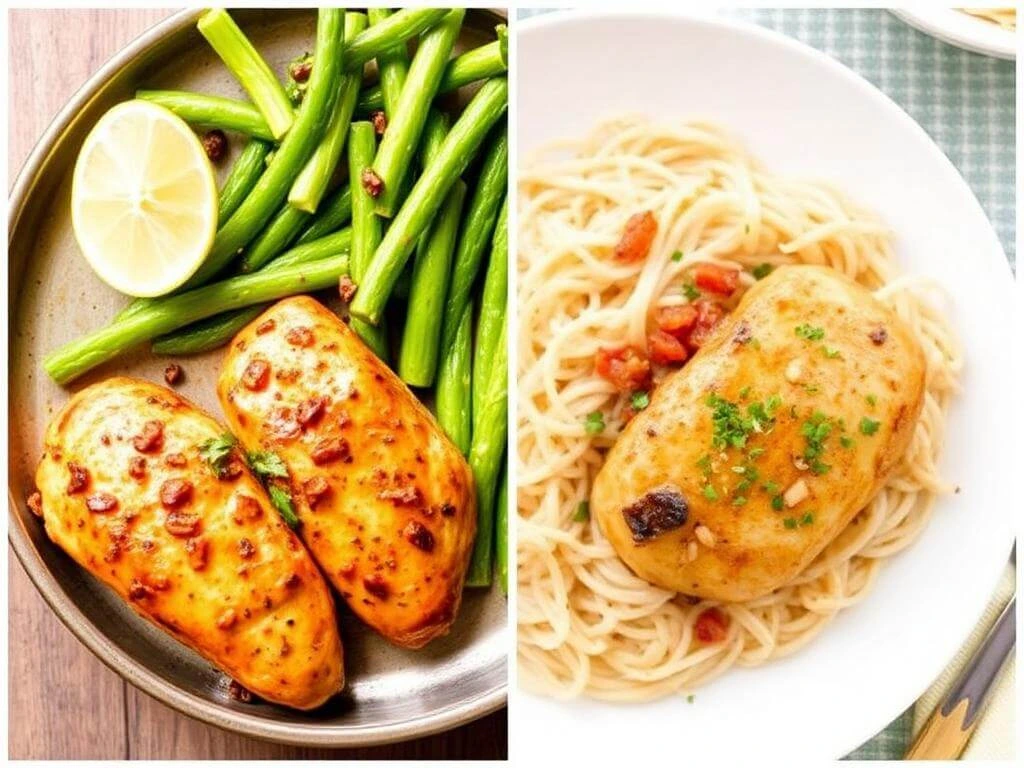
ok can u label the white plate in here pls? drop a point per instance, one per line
(961, 29)
(803, 113)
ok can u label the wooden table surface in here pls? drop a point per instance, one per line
(63, 702)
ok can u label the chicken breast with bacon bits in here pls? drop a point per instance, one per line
(385, 500)
(133, 489)
(759, 452)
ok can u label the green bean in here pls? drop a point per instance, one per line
(366, 227)
(481, 63)
(332, 213)
(492, 308)
(477, 229)
(275, 237)
(243, 177)
(212, 333)
(454, 378)
(392, 67)
(426, 195)
(311, 184)
(272, 188)
(249, 68)
(501, 533)
(171, 312)
(405, 126)
(490, 428)
(385, 35)
(212, 112)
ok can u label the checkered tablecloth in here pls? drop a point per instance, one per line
(967, 104)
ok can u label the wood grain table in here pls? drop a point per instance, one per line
(63, 702)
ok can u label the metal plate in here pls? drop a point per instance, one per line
(391, 694)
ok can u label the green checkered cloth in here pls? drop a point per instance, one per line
(967, 104)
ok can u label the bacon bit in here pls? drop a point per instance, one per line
(101, 502)
(151, 438)
(347, 570)
(35, 503)
(372, 183)
(380, 121)
(331, 449)
(175, 460)
(238, 693)
(105, 439)
(311, 410)
(376, 586)
(173, 374)
(266, 327)
(626, 368)
(282, 424)
(447, 509)
(182, 524)
(409, 496)
(709, 315)
(715, 279)
(878, 336)
(137, 467)
(293, 580)
(315, 488)
(159, 583)
(227, 619)
(419, 536)
(198, 550)
(300, 337)
(346, 288)
(712, 626)
(79, 479)
(175, 492)
(246, 549)
(113, 552)
(666, 349)
(256, 375)
(637, 237)
(676, 320)
(247, 508)
(231, 470)
(138, 591)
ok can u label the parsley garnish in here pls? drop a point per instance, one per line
(690, 291)
(846, 441)
(771, 487)
(282, 501)
(704, 463)
(755, 453)
(868, 426)
(830, 352)
(815, 431)
(777, 503)
(790, 523)
(807, 519)
(810, 389)
(710, 493)
(594, 423)
(216, 451)
(732, 426)
(639, 400)
(872, 400)
(582, 513)
(809, 332)
(266, 464)
(762, 271)
(677, 256)
(690, 699)
(739, 501)
(744, 393)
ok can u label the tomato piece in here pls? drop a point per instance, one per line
(637, 237)
(626, 368)
(712, 626)
(716, 279)
(676, 320)
(666, 349)
(709, 315)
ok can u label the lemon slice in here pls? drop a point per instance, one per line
(143, 200)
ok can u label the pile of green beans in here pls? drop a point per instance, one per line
(360, 179)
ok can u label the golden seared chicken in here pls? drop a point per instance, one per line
(386, 502)
(752, 458)
(193, 546)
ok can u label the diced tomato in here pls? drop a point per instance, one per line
(712, 626)
(716, 279)
(626, 368)
(637, 237)
(677, 320)
(665, 349)
(709, 315)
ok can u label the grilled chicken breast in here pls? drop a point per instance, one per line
(386, 501)
(763, 448)
(125, 492)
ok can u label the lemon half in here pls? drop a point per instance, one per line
(143, 200)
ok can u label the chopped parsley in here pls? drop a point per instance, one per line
(777, 503)
(282, 501)
(810, 332)
(594, 423)
(690, 291)
(744, 393)
(810, 389)
(755, 453)
(731, 427)
(830, 352)
(739, 501)
(771, 487)
(582, 513)
(868, 426)
(846, 441)
(807, 519)
(690, 699)
(790, 523)
(216, 451)
(762, 271)
(816, 431)
(639, 400)
(266, 464)
(872, 400)
(677, 256)
(704, 463)
(710, 493)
